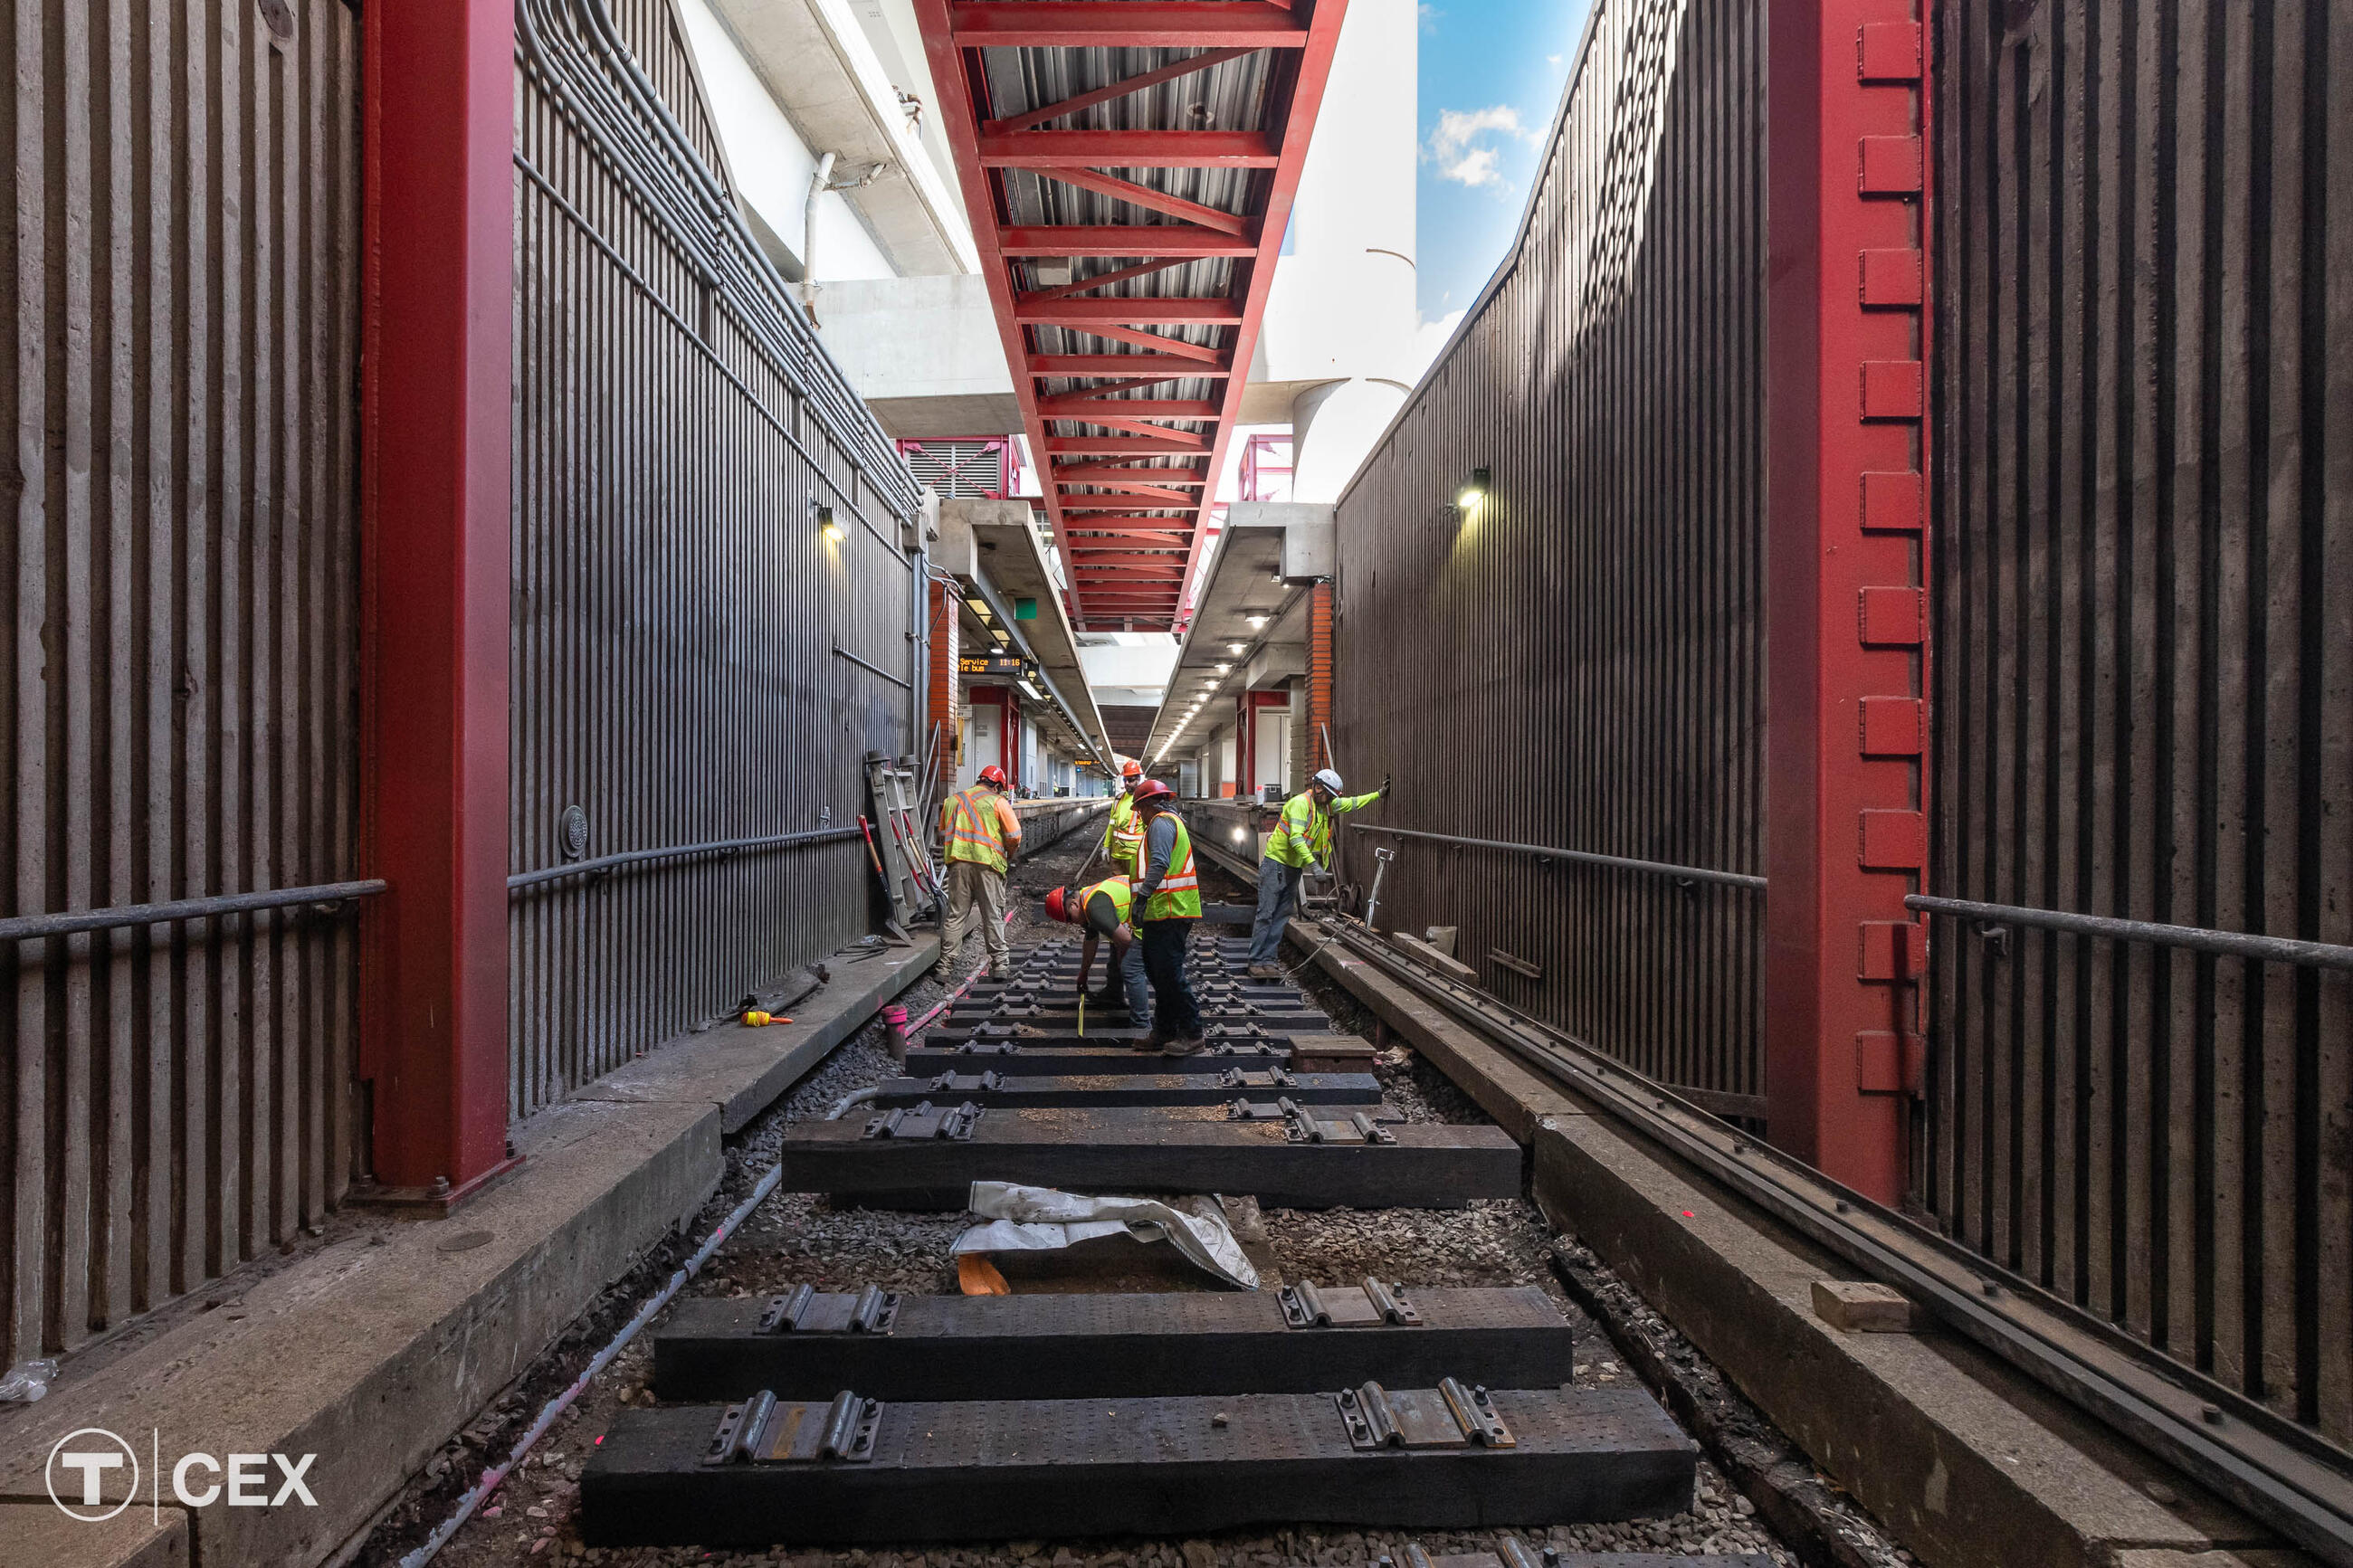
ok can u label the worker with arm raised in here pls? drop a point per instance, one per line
(1302, 839)
(979, 837)
(1171, 892)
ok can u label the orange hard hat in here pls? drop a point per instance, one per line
(993, 774)
(1151, 790)
(1131, 769)
(1056, 904)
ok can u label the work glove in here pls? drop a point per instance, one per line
(1385, 786)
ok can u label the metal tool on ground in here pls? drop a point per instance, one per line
(852, 1467)
(1302, 1339)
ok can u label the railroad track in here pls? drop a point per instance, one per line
(1410, 1387)
(869, 1416)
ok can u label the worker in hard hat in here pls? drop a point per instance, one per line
(1105, 908)
(979, 837)
(1123, 844)
(1302, 839)
(1170, 891)
(1123, 839)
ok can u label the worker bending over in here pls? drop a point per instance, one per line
(980, 835)
(1302, 839)
(1171, 891)
(1106, 909)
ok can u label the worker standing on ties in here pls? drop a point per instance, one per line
(1171, 894)
(980, 835)
(1123, 843)
(1302, 839)
(1107, 911)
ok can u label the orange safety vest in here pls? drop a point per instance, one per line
(971, 826)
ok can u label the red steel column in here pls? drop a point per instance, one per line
(439, 299)
(1846, 582)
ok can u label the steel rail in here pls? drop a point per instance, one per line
(2197, 939)
(1581, 857)
(605, 863)
(34, 928)
(2276, 1470)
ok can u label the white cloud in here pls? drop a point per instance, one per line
(1553, 60)
(1428, 337)
(1428, 15)
(1463, 144)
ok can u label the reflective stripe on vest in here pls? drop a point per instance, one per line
(1178, 897)
(1125, 836)
(1118, 890)
(969, 828)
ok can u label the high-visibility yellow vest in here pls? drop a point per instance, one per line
(1304, 833)
(971, 827)
(1118, 890)
(1124, 839)
(1178, 897)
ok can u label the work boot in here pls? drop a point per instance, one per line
(1266, 971)
(1184, 1045)
(1150, 1042)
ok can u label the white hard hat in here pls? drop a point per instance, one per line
(1329, 780)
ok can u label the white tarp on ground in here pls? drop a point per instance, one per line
(1040, 1219)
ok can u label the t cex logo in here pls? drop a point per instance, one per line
(88, 1466)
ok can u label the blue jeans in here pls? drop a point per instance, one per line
(1176, 1015)
(1132, 981)
(1278, 895)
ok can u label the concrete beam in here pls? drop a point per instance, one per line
(924, 353)
(1971, 1464)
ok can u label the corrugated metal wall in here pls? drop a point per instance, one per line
(691, 656)
(1577, 663)
(2143, 706)
(182, 277)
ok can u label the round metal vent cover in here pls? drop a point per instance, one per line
(576, 833)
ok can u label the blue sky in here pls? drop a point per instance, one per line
(1490, 74)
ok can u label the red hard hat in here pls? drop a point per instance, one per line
(1056, 902)
(1131, 769)
(993, 774)
(1152, 790)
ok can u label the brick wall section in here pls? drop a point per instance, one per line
(1319, 674)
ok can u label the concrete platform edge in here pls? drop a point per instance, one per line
(371, 1353)
(1968, 1463)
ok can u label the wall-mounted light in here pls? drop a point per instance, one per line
(830, 525)
(1474, 492)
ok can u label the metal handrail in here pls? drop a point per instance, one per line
(604, 863)
(2197, 939)
(840, 652)
(1582, 856)
(32, 928)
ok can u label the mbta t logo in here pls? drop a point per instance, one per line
(89, 1467)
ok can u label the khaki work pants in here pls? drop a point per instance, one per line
(975, 889)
